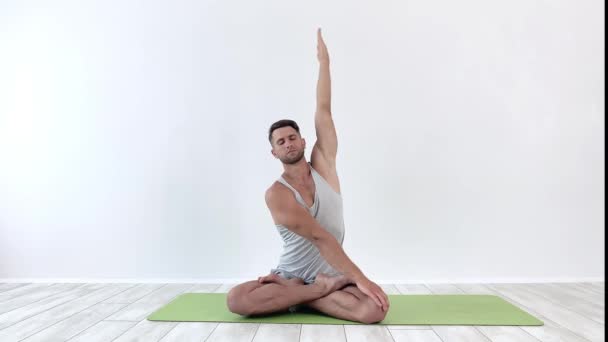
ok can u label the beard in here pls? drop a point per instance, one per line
(292, 158)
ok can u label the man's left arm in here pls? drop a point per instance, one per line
(327, 140)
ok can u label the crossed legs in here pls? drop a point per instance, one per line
(344, 302)
(350, 304)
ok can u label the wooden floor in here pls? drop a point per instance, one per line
(117, 312)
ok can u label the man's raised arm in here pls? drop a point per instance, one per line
(327, 139)
(324, 82)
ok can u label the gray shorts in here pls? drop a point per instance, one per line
(288, 275)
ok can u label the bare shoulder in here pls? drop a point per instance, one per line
(282, 204)
(325, 167)
(276, 190)
(286, 211)
(278, 194)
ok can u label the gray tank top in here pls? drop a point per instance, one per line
(300, 258)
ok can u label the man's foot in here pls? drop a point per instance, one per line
(275, 278)
(296, 281)
(331, 284)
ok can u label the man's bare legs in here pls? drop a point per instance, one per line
(253, 298)
(348, 302)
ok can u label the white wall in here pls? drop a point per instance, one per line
(133, 136)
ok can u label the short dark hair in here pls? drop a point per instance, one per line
(282, 123)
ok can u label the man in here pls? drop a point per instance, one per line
(306, 206)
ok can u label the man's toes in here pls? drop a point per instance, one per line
(270, 277)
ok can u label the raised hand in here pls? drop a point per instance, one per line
(322, 53)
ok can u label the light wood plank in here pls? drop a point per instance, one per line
(77, 302)
(444, 289)
(77, 320)
(75, 324)
(146, 331)
(460, 334)
(582, 326)
(367, 333)
(413, 289)
(45, 329)
(549, 332)
(35, 295)
(190, 331)
(278, 333)
(389, 289)
(415, 336)
(27, 289)
(322, 333)
(592, 287)
(104, 331)
(16, 315)
(204, 288)
(561, 296)
(599, 285)
(149, 303)
(225, 288)
(507, 333)
(133, 294)
(408, 327)
(596, 297)
(233, 332)
(9, 286)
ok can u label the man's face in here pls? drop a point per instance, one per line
(287, 145)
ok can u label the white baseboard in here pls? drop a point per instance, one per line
(507, 280)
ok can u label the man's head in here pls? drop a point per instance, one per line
(287, 144)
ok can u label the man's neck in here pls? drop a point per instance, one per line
(298, 172)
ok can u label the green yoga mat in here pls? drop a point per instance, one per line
(404, 310)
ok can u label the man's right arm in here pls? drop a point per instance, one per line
(287, 212)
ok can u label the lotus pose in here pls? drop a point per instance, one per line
(306, 206)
